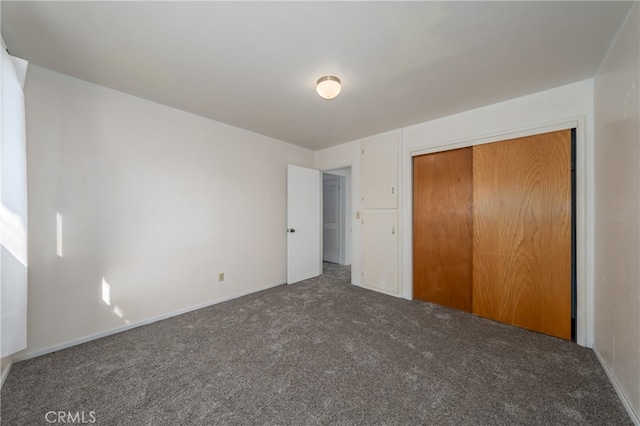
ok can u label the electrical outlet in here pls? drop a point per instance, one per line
(357, 215)
(221, 277)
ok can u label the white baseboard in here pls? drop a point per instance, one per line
(634, 416)
(378, 290)
(5, 373)
(85, 339)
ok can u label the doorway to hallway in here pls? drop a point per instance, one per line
(336, 216)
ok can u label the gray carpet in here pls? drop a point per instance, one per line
(318, 352)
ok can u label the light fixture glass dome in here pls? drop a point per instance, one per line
(328, 87)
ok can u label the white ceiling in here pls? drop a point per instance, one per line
(254, 64)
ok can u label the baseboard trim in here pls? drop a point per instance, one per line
(378, 290)
(5, 373)
(634, 416)
(88, 338)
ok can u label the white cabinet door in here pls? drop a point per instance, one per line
(380, 172)
(380, 251)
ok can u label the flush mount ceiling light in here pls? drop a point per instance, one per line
(328, 87)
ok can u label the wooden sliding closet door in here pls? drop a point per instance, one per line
(522, 232)
(442, 228)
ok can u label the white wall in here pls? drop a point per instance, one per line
(339, 157)
(153, 203)
(617, 215)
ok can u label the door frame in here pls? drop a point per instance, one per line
(341, 207)
(350, 221)
(584, 287)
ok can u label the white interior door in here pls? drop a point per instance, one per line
(303, 223)
(331, 223)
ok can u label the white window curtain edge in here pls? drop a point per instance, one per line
(13, 212)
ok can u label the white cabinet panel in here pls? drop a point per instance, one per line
(380, 172)
(380, 250)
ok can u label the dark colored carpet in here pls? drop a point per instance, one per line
(318, 352)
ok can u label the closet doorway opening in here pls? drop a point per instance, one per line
(495, 231)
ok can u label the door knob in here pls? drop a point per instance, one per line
(291, 230)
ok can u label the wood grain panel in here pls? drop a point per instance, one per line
(522, 232)
(443, 228)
